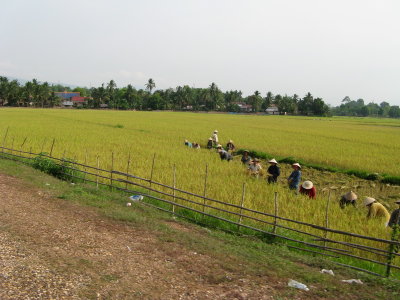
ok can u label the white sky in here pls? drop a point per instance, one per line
(330, 48)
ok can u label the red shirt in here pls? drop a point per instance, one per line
(312, 193)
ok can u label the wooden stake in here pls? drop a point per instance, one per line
(241, 205)
(23, 143)
(152, 169)
(326, 216)
(275, 211)
(52, 145)
(44, 141)
(4, 140)
(98, 167)
(84, 168)
(12, 145)
(112, 169)
(205, 188)
(174, 191)
(127, 170)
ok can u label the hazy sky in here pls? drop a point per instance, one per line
(330, 48)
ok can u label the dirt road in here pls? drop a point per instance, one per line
(53, 249)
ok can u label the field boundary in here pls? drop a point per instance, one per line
(235, 218)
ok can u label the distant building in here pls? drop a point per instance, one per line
(272, 110)
(70, 99)
(244, 107)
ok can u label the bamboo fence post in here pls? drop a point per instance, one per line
(112, 169)
(30, 152)
(4, 140)
(44, 141)
(127, 170)
(241, 204)
(84, 168)
(97, 175)
(393, 248)
(327, 217)
(205, 188)
(23, 143)
(275, 212)
(152, 169)
(52, 145)
(12, 145)
(174, 191)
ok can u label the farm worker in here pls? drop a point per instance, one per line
(188, 144)
(196, 146)
(295, 177)
(230, 146)
(255, 167)
(348, 198)
(395, 217)
(215, 137)
(273, 170)
(375, 209)
(210, 143)
(246, 159)
(223, 154)
(308, 188)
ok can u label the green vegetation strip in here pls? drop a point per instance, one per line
(384, 178)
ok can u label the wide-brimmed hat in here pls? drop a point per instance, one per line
(397, 202)
(297, 165)
(255, 160)
(307, 185)
(369, 200)
(230, 141)
(245, 151)
(210, 139)
(273, 161)
(215, 130)
(350, 196)
(219, 146)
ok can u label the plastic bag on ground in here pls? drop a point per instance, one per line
(136, 197)
(330, 272)
(298, 285)
(353, 281)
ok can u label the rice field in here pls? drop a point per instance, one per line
(350, 143)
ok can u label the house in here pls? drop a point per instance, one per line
(244, 107)
(70, 99)
(272, 110)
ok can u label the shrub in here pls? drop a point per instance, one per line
(49, 166)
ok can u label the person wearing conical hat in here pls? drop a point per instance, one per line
(223, 154)
(273, 170)
(376, 210)
(347, 199)
(308, 188)
(214, 137)
(295, 177)
(188, 144)
(395, 216)
(210, 143)
(230, 146)
(255, 167)
(246, 159)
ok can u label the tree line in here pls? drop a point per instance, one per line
(360, 109)
(37, 94)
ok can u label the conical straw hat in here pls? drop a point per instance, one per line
(307, 185)
(350, 196)
(368, 200)
(273, 161)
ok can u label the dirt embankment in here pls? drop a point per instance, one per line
(53, 249)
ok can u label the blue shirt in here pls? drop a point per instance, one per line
(294, 178)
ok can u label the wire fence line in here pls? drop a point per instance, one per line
(229, 213)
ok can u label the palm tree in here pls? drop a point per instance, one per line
(150, 85)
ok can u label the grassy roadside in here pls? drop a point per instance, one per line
(244, 256)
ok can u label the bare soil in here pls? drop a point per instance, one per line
(53, 249)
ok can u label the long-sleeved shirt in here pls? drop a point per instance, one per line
(312, 193)
(209, 144)
(215, 138)
(394, 218)
(255, 168)
(274, 170)
(294, 179)
(224, 155)
(246, 159)
(230, 146)
(378, 210)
